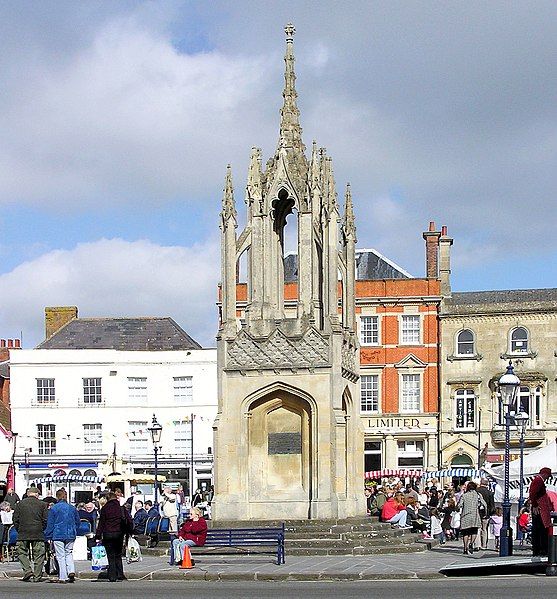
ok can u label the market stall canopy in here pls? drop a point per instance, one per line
(134, 479)
(545, 457)
(68, 478)
(450, 472)
(400, 473)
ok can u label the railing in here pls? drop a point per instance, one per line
(82, 403)
(44, 403)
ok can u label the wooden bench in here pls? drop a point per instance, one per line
(247, 537)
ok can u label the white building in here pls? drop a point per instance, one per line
(83, 400)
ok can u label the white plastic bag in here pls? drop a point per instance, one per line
(99, 560)
(455, 520)
(133, 551)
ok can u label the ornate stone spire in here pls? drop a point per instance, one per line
(254, 186)
(228, 205)
(349, 225)
(290, 130)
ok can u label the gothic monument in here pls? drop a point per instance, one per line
(288, 442)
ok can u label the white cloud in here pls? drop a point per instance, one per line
(112, 277)
(125, 117)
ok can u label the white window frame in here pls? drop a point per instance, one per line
(46, 435)
(369, 330)
(137, 389)
(410, 335)
(93, 438)
(458, 343)
(411, 448)
(138, 436)
(404, 392)
(531, 397)
(369, 394)
(515, 350)
(183, 389)
(182, 437)
(46, 391)
(465, 396)
(92, 391)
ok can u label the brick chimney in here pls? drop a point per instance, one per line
(56, 317)
(432, 251)
(445, 243)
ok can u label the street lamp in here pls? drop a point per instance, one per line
(521, 419)
(156, 430)
(508, 387)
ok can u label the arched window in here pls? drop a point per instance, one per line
(465, 343)
(519, 340)
(75, 472)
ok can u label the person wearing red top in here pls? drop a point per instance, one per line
(394, 511)
(541, 510)
(192, 533)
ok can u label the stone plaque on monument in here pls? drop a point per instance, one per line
(284, 443)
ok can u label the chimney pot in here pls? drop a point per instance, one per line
(10, 343)
(444, 230)
(17, 343)
(432, 225)
(2, 343)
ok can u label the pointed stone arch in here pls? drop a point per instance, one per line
(280, 422)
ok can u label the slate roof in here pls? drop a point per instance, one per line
(5, 369)
(125, 334)
(370, 265)
(490, 302)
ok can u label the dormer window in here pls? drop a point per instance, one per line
(519, 341)
(465, 343)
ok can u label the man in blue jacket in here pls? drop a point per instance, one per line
(61, 528)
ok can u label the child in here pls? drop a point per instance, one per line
(436, 528)
(496, 522)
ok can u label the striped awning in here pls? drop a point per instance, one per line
(461, 472)
(68, 478)
(387, 472)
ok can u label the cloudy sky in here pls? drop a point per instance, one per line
(117, 120)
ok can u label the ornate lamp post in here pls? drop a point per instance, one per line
(522, 419)
(508, 387)
(155, 431)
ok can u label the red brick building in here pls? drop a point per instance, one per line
(398, 324)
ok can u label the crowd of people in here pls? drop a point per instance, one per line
(51, 525)
(466, 512)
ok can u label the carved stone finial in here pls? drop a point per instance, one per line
(254, 186)
(228, 205)
(349, 225)
(289, 30)
(290, 130)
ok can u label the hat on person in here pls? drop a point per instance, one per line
(546, 471)
(32, 491)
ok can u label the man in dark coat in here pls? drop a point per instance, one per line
(12, 497)
(30, 518)
(541, 510)
(485, 515)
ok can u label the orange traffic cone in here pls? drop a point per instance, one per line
(186, 559)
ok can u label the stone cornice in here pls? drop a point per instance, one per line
(454, 358)
(500, 316)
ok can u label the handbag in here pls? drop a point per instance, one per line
(133, 551)
(99, 559)
(455, 520)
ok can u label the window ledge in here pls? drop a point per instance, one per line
(457, 357)
(518, 355)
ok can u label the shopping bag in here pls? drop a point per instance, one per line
(455, 520)
(133, 551)
(99, 560)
